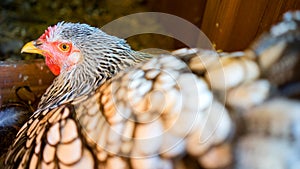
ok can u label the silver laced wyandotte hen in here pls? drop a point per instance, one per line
(113, 107)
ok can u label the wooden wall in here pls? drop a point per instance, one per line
(230, 24)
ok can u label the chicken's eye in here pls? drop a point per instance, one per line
(64, 47)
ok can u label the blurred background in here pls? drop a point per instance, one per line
(230, 24)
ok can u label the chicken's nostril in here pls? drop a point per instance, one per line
(37, 43)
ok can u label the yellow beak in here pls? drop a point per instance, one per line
(31, 48)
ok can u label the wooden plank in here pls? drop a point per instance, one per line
(33, 73)
(234, 24)
(248, 19)
(230, 24)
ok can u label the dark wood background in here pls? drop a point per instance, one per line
(230, 24)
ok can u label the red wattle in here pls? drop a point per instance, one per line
(53, 67)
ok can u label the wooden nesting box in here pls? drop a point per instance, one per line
(32, 73)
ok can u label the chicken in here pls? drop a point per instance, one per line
(267, 115)
(278, 52)
(113, 107)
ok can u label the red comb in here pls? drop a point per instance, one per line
(48, 32)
